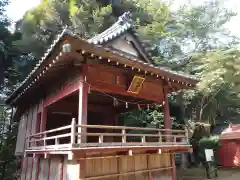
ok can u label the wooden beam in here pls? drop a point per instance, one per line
(114, 89)
(65, 106)
(65, 91)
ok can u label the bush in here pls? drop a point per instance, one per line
(211, 142)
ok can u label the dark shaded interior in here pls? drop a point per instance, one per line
(102, 110)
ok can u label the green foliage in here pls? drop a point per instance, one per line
(152, 117)
(9, 163)
(10, 56)
(40, 25)
(211, 142)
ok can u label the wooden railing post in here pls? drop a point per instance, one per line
(160, 136)
(124, 136)
(44, 140)
(143, 139)
(73, 131)
(100, 140)
(28, 141)
(56, 141)
(174, 139)
(186, 135)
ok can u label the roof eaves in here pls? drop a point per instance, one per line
(164, 69)
(37, 66)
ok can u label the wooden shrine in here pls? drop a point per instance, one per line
(68, 110)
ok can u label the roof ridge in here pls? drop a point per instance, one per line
(123, 23)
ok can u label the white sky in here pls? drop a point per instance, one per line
(17, 8)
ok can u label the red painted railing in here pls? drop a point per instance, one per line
(83, 136)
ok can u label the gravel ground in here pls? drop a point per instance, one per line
(200, 174)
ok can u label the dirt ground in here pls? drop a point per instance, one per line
(200, 174)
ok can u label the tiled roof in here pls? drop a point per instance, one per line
(232, 132)
(123, 24)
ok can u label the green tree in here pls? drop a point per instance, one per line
(217, 95)
(10, 57)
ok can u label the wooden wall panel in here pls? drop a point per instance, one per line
(140, 162)
(35, 168)
(23, 168)
(156, 89)
(129, 164)
(43, 169)
(114, 80)
(101, 167)
(100, 73)
(55, 167)
(21, 135)
(159, 161)
(29, 168)
(98, 167)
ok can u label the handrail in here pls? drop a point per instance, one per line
(50, 131)
(78, 135)
(128, 128)
(127, 134)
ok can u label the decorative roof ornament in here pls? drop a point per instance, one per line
(126, 17)
(123, 24)
(66, 47)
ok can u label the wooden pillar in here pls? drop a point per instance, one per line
(43, 119)
(174, 176)
(167, 119)
(73, 170)
(49, 169)
(82, 106)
